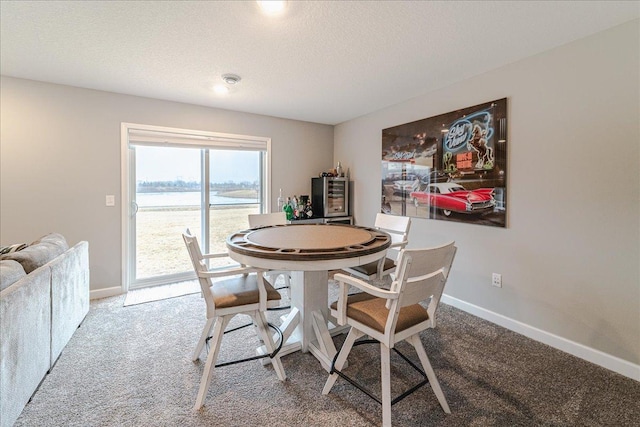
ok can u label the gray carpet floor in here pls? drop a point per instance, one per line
(131, 366)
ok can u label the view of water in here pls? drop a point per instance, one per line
(184, 198)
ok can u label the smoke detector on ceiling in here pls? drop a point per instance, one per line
(231, 79)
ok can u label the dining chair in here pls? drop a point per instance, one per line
(266, 220)
(394, 315)
(243, 290)
(398, 228)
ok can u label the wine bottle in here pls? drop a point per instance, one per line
(280, 201)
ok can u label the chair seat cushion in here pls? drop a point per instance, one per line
(240, 290)
(371, 269)
(371, 311)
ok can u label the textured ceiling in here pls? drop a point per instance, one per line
(322, 61)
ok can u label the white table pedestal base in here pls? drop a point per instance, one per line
(309, 330)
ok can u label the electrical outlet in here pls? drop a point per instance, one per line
(496, 280)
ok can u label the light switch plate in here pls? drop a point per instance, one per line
(110, 200)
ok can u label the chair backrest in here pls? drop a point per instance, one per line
(265, 220)
(197, 260)
(193, 248)
(396, 226)
(422, 275)
(205, 275)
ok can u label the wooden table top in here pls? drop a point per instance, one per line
(309, 241)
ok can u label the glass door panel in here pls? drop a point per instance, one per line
(235, 191)
(337, 197)
(168, 199)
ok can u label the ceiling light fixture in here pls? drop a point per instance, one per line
(221, 89)
(231, 79)
(272, 7)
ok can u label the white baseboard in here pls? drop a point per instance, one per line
(589, 354)
(105, 293)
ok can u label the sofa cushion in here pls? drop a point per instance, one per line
(10, 272)
(39, 252)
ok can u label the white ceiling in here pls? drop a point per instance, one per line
(322, 61)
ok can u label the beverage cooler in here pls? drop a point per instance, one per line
(330, 197)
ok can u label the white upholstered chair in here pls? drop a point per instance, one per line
(398, 229)
(394, 315)
(243, 291)
(266, 220)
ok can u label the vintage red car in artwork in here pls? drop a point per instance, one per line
(451, 197)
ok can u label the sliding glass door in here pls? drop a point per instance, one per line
(187, 183)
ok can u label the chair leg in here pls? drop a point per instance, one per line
(206, 331)
(261, 322)
(218, 332)
(385, 374)
(380, 268)
(353, 335)
(287, 283)
(426, 365)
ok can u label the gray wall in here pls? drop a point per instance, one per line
(60, 156)
(570, 254)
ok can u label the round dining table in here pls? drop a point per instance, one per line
(309, 251)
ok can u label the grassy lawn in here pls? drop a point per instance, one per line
(160, 248)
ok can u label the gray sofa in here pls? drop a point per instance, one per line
(44, 296)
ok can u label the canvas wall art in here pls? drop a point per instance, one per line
(450, 167)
